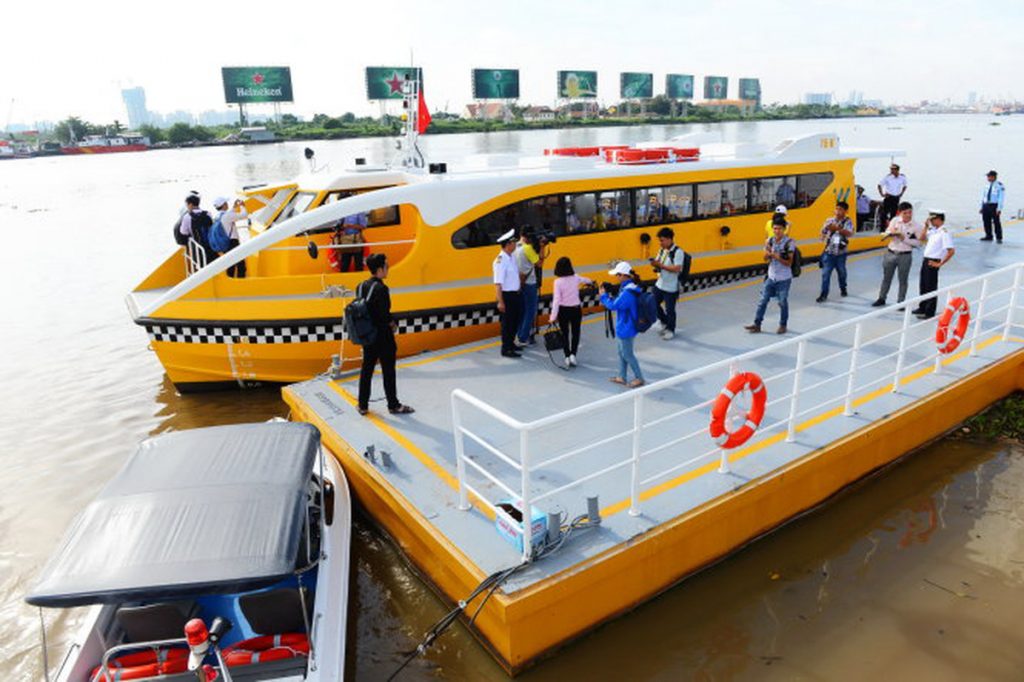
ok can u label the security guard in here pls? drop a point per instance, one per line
(508, 291)
(992, 207)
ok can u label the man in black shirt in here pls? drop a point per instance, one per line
(383, 348)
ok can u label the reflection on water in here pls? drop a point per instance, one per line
(916, 574)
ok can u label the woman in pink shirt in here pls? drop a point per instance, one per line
(565, 307)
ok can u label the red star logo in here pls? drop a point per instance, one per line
(257, 79)
(395, 83)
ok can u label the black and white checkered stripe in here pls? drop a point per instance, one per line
(408, 323)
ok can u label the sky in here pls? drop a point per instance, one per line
(59, 59)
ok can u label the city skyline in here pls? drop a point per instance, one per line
(792, 48)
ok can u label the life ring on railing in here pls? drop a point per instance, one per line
(267, 648)
(950, 341)
(142, 664)
(719, 432)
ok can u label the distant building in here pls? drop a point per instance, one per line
(856, 98)
(135, 103)
(745, 106)
(818, 98)
(487, 111)
(216, 118)
(257, 134)
(538, 114)
(972, 98)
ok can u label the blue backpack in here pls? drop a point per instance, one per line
(646, 310)
(218, 239)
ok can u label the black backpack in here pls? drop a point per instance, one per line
(201, 224)
(359, 326)
(180, 238)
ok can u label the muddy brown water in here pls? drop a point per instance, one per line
(916, 574)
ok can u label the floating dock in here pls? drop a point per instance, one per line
(851, 389)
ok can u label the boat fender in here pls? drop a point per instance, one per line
(739, 382)
(142, 664)
(950, 341)
(267, 648)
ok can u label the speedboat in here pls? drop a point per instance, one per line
(216, 553)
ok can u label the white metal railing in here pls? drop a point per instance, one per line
(871, 356)
(195, 256)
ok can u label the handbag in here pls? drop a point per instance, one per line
(553, 341)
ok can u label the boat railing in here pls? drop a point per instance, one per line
(195, 256)
(810, 379)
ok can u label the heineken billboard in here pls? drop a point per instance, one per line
(385, 82)
(495, 83)
(716, 87)
(750, 88)
(249, 84)
(577, 84)
(636, 85)
(679, 86)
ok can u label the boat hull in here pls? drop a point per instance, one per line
(104, 149)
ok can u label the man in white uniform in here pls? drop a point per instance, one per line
(937, 253)
(507, 288)
(891, 187)
(228, 219)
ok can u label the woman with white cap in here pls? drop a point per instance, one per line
(228, 219)
(626, 306)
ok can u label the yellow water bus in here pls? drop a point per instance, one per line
(283, 322)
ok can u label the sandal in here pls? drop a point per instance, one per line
(401, 409)
(618, 380)
(636, 383)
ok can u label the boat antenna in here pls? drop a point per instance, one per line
(409, 155)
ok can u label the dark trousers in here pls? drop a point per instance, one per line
(569, 320)
(666, 307)
(990, 217)
(510, 319)
(928, 283)
(890, 204)
(829, 263)
(352, 256)
(382, 350)
(238, 269)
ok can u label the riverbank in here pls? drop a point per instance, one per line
(1005, 419)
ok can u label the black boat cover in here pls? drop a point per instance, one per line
(212, 510)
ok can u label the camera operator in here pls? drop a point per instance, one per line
(626, 305)
(529, 256)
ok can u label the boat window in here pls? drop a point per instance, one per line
(580, 212)
(378, 217)
(268, 211)
(547, 213)
(810, 186)
(721, 198)
(679, 202)
(298, 204)
(650, 206)
(615, 210)
(767, 193)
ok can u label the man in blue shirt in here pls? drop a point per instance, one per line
(992, 195)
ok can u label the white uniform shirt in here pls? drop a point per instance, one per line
(228, 219)
(939, 241)
(893, 184)
(505, 272)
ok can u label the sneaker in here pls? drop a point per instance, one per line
(879, 303)
(821, 299)
(568, 362)
(572, 360)
(781, 329)
(659, 326)
(666, 335)
(519, 344)
(753, 328)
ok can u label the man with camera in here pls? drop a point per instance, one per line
(508, 291)
(668, 264)
(778, 252)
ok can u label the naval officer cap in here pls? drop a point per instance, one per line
(937, 212)
(507, 237)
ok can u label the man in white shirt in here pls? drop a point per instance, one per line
(507, 287)
(228, 219)
(891, 187)
(992, 207)
(937, 253)
(903, 234)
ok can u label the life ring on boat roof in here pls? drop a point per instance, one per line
(142, 664)
(266, 648)
(724, 438)
(949, 341)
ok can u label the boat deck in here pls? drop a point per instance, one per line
(681, 481)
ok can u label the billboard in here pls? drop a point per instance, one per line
(495, 83)
(577, 84)
(248, 84)
(679, 86)
(750, 88)
(716, 87)
(385, 82)
(636, 85)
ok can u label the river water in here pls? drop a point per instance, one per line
(916, 574)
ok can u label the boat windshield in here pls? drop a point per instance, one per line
(268, 211)
(298, 204)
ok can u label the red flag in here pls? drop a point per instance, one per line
(422, 114)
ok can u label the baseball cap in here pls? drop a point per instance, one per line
(219, 201)
(621, 268)
(781, 209)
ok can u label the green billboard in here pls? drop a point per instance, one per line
(636, 85)
(679, 86)
(577, 84)
(385, 82)
(248, 84)
(495, 83)
(716, 87)
(750, 88)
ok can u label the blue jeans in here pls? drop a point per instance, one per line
(626, 357)
(773, 289)
(828, 264)
(667, 316)
(529, 312)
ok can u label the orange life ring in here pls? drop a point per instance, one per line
(744, 380)
(267, 648)
(947, 341)
(142, 664)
